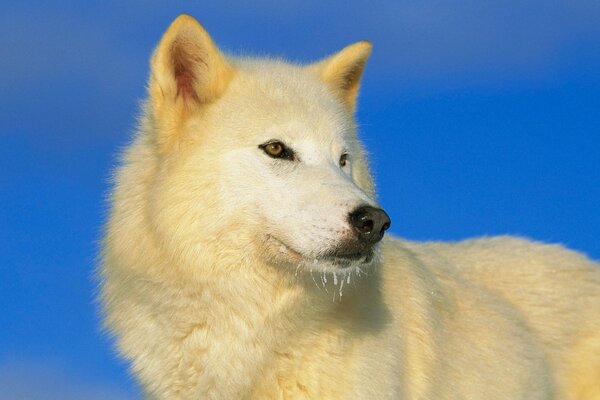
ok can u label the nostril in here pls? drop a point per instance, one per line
(367, 226)
(361, 221)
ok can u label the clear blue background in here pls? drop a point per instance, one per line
(482, 118)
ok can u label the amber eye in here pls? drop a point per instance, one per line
(277, 149)
(344, 160)
(274, 149)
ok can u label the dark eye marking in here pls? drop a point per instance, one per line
(276, 149)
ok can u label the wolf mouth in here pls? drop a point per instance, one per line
(348, 260)
(334, 258)
(344, 263)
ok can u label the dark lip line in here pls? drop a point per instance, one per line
(352, 256)
(362, 258)
(368, 257)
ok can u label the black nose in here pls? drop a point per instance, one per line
(370, 223)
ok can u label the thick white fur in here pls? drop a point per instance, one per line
(214, 279)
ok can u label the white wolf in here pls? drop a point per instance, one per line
(243, 256)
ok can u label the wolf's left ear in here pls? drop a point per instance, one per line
(187, 69)
(343, 70)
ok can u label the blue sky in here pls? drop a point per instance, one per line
(481, 117)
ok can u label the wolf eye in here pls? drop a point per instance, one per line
(276, 149)
(344, 160)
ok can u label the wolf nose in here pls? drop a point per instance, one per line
(370, 223)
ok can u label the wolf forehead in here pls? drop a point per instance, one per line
(283, 99)
(281, 83)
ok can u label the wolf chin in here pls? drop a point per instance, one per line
(244, 258)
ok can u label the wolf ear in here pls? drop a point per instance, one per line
(343, 70)
(187, 69)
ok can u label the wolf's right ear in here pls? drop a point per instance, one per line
(343, 70)
(187, 69)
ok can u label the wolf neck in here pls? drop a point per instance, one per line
(229, 328)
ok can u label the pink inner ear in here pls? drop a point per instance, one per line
(184, 69)
(185, 83)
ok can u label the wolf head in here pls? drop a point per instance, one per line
(259, 157)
